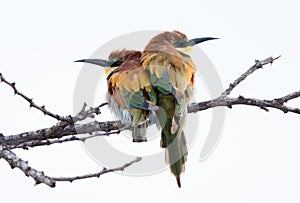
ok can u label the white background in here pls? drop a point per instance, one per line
(257, 159)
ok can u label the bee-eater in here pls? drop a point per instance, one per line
(172, 74)
(129, 90)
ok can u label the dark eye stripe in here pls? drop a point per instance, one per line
(116, 63)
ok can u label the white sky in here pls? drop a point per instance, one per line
(257, 159)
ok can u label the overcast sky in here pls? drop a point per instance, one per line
(257, 158)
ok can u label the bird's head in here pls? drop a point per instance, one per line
(175, 39)
(115, 59)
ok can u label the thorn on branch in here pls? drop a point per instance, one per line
(14, 88)
(241, 98)
(264, 108)
(273, 59)
(37, 183)
(103, 171)
(285, 110)
(31, 103)
(97, 111)
(83, 108)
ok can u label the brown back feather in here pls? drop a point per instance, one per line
(121, 54)
(131, 61)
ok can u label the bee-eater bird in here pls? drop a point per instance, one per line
(128, 90)
(172, 74)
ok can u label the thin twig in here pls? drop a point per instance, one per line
(288, 97)
(263, 104)
(39, 177)
(98, 174)
(32, 104)
(83, 114)
(35, 143)
(258, 64)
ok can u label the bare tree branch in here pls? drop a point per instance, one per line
(59, 130)
(41, 134)
(36, 143)
(224, 100)
(63, 128)
(98, 174)
(288, 97)
(83, 114)
(40, 177)
(16, 162)
(68, 128)
(258, 64)
(32, 104)
(263, 104)
(33, 139)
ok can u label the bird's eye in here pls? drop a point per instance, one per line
(116, 63)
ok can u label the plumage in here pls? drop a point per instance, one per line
(129, 81)
(160, 79)
(128, 90)
(172, 76)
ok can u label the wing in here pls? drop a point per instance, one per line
(169, 73)
(130, 85)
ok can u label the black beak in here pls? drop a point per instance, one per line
(98, 62)
(192, 42)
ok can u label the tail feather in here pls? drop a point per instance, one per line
(176, 155)
(176, 151)
(174, 142)
(178, 181)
